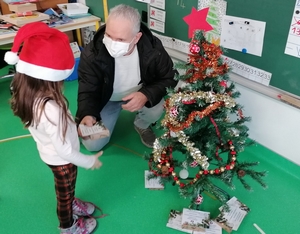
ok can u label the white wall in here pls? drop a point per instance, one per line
(274, 124)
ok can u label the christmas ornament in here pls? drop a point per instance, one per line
(194, 49)
(184, 174)
(199, 199)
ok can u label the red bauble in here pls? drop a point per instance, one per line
(194, 49)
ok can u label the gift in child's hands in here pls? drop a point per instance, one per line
(97, 131)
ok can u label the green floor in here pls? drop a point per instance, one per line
(27, 200)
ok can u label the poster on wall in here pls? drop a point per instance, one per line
(217, 9)
(293, 41)
(157, 15)
(242, 34)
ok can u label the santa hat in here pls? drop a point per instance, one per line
(46, 53)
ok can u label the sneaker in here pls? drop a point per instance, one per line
(82, 208)
(80, 226)
(147, 136)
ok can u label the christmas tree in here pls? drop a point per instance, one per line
(204, 129)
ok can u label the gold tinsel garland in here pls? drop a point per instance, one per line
(216, 100)
(163, 156)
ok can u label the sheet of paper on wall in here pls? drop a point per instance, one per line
(157, 14)
(157, 25)
(173, 43)
(161, 4)
(293, 41)
(247, 71)
(153, 183)
(175, 220)
(144, 1)
(217, 9)
(181, 46)
(231, 220)
(244, 35)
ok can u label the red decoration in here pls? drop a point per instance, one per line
(194, 49)
(240, 112)
(199, 200)
(197, 20)
(223, 83)
(174, 111)
(188, 102)
(193, 164)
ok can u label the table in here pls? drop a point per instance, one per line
(76, 24)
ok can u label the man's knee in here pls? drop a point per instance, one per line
(95, 145)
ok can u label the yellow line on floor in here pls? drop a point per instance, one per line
(14, 138)
(129, 150)
(119, 146)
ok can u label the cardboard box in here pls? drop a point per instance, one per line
(22, 7)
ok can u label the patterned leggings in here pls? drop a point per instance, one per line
(65, 180)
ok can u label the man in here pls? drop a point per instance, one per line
(124, 67)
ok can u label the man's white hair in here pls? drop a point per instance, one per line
(126, 12)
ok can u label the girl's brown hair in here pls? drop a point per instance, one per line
(30, 95)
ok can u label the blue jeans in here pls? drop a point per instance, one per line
(110, 114)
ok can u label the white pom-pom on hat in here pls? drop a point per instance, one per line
(11, 58)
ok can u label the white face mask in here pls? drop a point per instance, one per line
(116, 48)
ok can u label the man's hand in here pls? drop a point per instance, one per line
(135, 101)
(88, 121)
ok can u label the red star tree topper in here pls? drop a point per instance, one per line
(197, 20)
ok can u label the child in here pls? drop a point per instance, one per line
(45, 60)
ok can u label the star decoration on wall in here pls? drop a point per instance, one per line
(197, 20)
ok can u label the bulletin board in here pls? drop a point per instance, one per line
(285, 69)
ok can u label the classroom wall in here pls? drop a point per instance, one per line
(274, 124)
